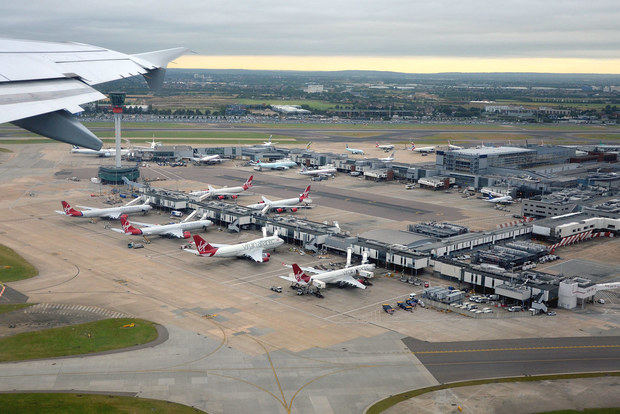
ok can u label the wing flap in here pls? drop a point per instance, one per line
(256, 255)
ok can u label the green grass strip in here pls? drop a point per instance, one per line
(382, 405)
(103, 335)
(61, 403)
(14, 267)
(10, 307)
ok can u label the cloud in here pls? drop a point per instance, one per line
(467, 28)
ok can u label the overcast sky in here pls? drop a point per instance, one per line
(466, 28)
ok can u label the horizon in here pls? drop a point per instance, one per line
(405, 65)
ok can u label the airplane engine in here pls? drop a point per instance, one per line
(268, 254)
(261, 202)
(187, 234)
(234, 197)
(221, 197)
(294, 209)
(279, 210)
(266, 257)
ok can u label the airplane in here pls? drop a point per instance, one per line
(208, 159)
(500, 200)
(308, 145)
(354, 150)
(324, 170)
(453, 147)
(388, 159)
(283, 164)
(110, 212)
(268, 143)
(253, 249)
(385, 147)
(154, 144)
(104, 152)
(43, 83)
(280, 206)
(423, 150)
(347, 275)
(224, 192)
(179, 230)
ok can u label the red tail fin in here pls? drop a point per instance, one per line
(248, 183)
(70, 211)
(127, 227)
(304, 194)
(202, 246)
(299, 274)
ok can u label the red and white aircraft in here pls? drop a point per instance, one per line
(348, 275)
(224, 192)
(179, 230)
(111, 212)
(253, 249)
(280, 206)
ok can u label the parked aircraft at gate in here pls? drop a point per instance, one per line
(280, 206)
(178, 230)
(224, 192)
(111, 212)
(254, 249)
(354, 150)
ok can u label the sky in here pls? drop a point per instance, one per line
(405, 36)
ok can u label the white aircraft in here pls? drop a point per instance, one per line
(208, 159)
(154, 144)
(354, 150)
(453, 147)
(43, 83)
(254, 249)
(268, 143)
(388, 159)
(283, 164)
(179, 230)
(423, 150)
(500, 200)
(280, 206)
(385, 147)
(347, 275)
(324, 170)
(104, 152)
(111, 212)
(224, 192)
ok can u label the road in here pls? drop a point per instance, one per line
(458, 361)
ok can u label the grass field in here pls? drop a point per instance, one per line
(602, 137)
(192, 134)
(14, 267)
(60, 403)
(10, 307)
(85, 338)
(382, 405)
(314, 104)
(615, 410)
(552, 104)
(5, 150)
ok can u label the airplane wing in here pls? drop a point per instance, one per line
(60, 212)
(256, 255)
(352, 281)
(266, 200)
(113, 214)
(307, 269)
(177, 232)
(118, 230)
(43, 83)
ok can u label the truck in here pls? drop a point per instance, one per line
(404, 305)
(132, 245)
(388, 309)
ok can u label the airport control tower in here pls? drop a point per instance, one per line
(115, 174)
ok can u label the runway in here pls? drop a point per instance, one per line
(458, 361)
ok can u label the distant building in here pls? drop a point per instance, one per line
(314, 89)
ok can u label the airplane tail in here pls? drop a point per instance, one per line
(308, 145)
(304, 195)
(376, 145)
(299, 274)
(346, 145)
(412, 146)
(127, 227)
(70, 211)
(248, 183)
(203, 246)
